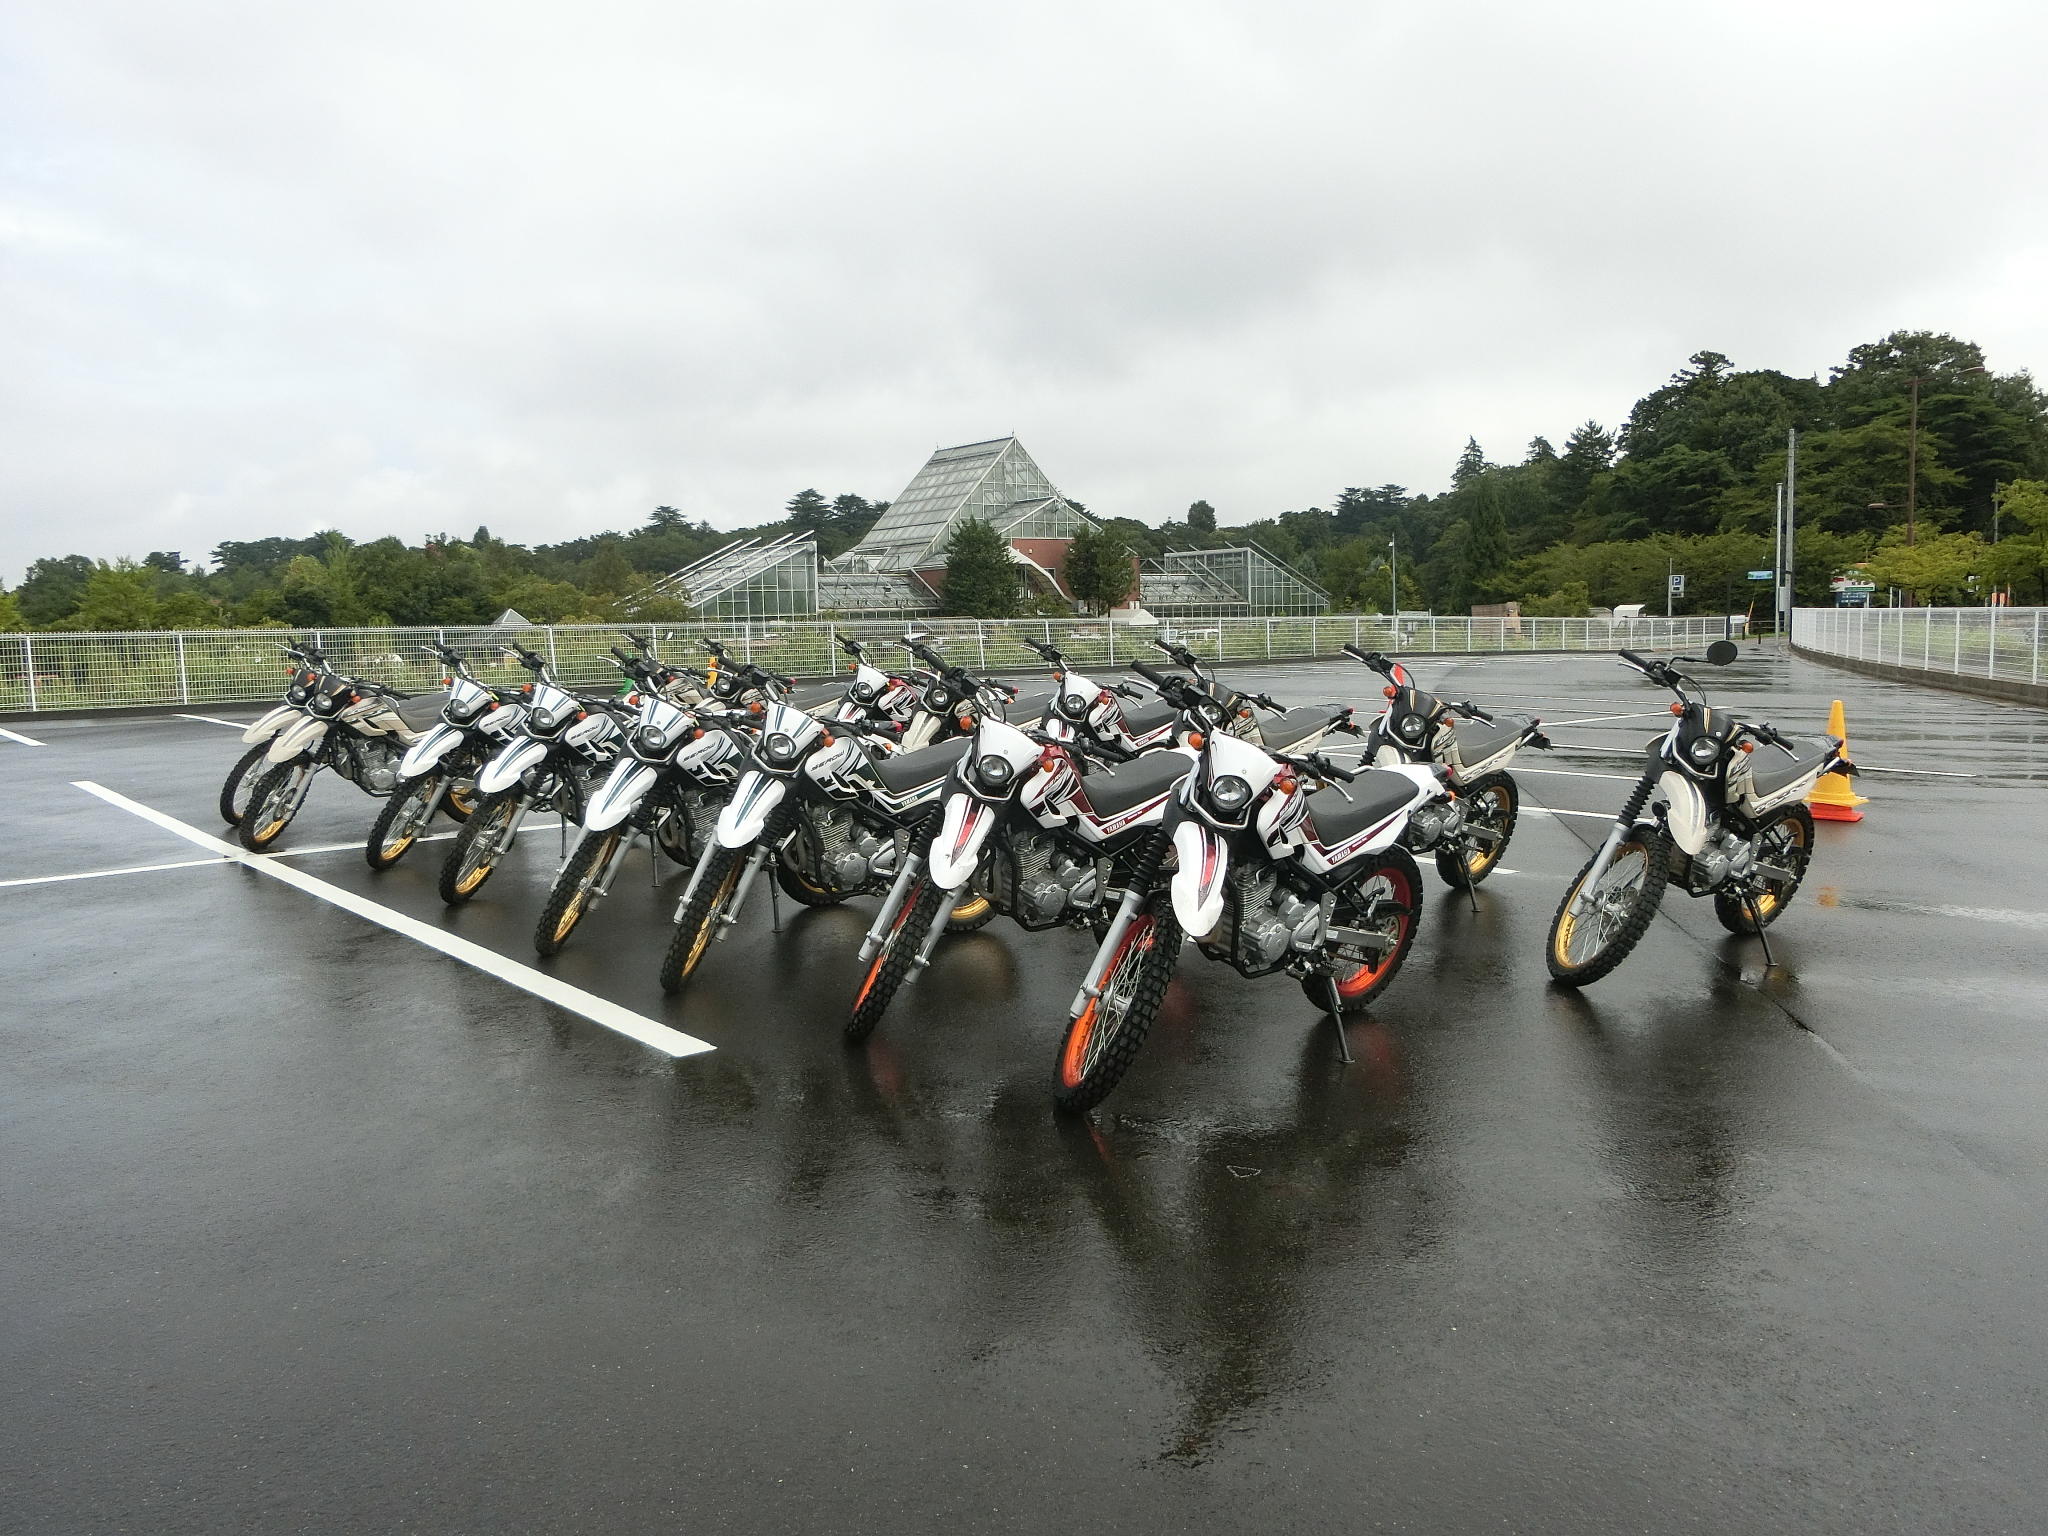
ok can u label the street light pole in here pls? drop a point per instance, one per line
(1394, 571)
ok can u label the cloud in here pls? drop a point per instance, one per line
(407, 268)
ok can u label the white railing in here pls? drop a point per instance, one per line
(2003, 644)
(51, 671)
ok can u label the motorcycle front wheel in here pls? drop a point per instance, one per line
(273, 802)
(698, 924)
(1587, 944)
(234, 793)
(399, 824)
(478, 847)
(1104, 1040)
(891, 968)
(570, 897)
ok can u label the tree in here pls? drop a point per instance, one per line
(610, 573)
(116, 596)
(981, 579)
(808, 509)
(1099, 571)
(169, 561)
(1470, 466)
(52, 588)
(1201, 517)
(11, 621)
(665, 519)
(1936, 568)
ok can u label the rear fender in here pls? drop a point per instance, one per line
(510, 765)
(963, 831)
(298, 739)
(744, 817)
(267, 726)
(429, 750)
(1198, 882)
(622, 791)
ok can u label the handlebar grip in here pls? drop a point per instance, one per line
(1342, 775)
(1633, 659)
(1146, 671)
(1475, 712)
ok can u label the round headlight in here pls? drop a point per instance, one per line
(994, 770)
(650, 739)
(863, 693)
(1409, 727)
(326, 704)
(1229, 793)
(1073, 706)
(778, 747)
(1704, 750)
(936, 700)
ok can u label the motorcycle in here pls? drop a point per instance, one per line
(1719, 824)
(829, 803)
(1282, 862)
(547, 762)
(1471, 834)
(358, 729)
(668, 782)
(307, 662)
(439, 771)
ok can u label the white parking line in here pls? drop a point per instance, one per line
(101, 874)
(1570, 773)
(1551, 810)
(233, 725)
(26, 741)
(671, 1042)
(1649, 714)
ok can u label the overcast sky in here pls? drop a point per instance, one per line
(402, 268)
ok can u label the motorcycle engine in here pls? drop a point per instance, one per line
(1727, 856)
(1047, 882)
(1431, 824)
(1271, 921)
(849, 854)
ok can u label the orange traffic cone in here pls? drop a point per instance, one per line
(1833, 798)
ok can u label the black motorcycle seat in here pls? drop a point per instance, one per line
(1029, 707)
(422, 711)
(1771, 770)
(1377, 794)
(1477, 741)
(905, 771)
(1284, 732)
(1141, 719)
(1112, 791)
(815, 696)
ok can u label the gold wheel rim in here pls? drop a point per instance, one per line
(573, 913)
(462, 799)
(703, 939)
(968, 911)
(478, 873)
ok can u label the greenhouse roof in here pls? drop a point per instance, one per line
(995, 480)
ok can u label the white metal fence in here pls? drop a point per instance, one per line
(52, 671)
(2001, 643)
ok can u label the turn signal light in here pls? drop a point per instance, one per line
(1059, 677)
(1390, 690)
(447, 682)
(754, 707)
(1197, 740)
(1049, 759)
(825, 738)
(1746, 746)
(1678, 709)
(965, 722)
(697, 734)
(1287, 783)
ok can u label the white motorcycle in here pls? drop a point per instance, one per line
(307, 663)
(359, 729)
(439, 771)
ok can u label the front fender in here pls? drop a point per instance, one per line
(1687, 817)
(743, 818)
(623, 789)
(1198, 883)
(429, 750)
(297, 740)
(964, 827)
(506, 769)
(268, 725)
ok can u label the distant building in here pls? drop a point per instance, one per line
(1235, 579)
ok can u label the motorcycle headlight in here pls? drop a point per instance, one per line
(651, 739)
(994, 770)
(1409, 727)
(1703, 751)
(464, 714)
(543, 721)
(297, 694)
(778, 747)
(326, 704)
(1229, 793)
(936, 700)
(863, 693)
(1073, 706)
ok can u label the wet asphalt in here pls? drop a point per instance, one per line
(305, 1226)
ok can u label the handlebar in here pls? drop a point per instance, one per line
(1377, 660)
(1472, 711)
(1315, 764)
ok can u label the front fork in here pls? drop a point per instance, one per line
(1623, 824)
(913, 865)
(1135, 895)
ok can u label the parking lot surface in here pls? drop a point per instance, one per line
(311, 1225)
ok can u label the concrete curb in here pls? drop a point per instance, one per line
(2035, 694)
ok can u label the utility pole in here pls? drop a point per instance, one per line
(1670, 566)
(1778, 564)
(1791, 527)
(1394, 571)
(1912, 461)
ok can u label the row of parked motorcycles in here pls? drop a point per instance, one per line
(1164, 808)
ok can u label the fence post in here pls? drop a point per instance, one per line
(980, 646)
(1354, 633)
(184, 684)
(1991, 659)
(28, 668)
(1109, 623)
(2037, 645)
(554, 661)
(1958, 667)
(1927, 642)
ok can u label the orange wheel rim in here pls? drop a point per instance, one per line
(1081, 1033)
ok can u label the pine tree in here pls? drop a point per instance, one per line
(664, 518)
(1098, 569)
(1202, 517)
(981, 579)
(808, 509)
(1470, 466)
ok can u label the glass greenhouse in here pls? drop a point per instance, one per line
(1238, 578)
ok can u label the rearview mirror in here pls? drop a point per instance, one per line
(1721, 652)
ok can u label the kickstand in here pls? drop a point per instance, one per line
(653, 863)
(1335, 1004)
(1471, 890)
(1762, 938)
(774, 905)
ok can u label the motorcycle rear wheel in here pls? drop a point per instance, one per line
(1397, 881)
(478, 847)
(698, 924)
(1585, 946)
(234, 798)
(1492, 801)
(273, 802)
(1787, 842)
(1104, 1040)
(569, 899)
(891, 968)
